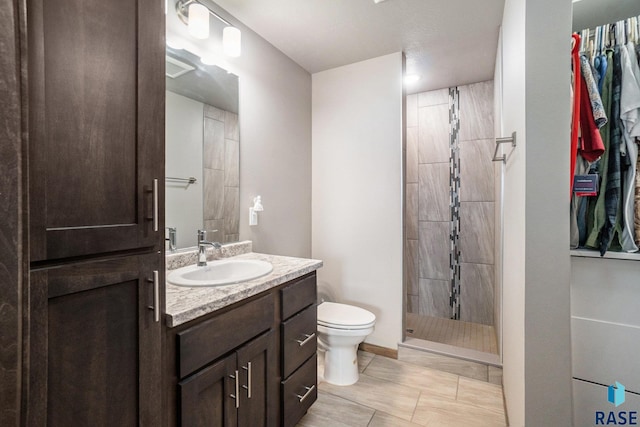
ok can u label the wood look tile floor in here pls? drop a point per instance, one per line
(453, 332)
(393, 393)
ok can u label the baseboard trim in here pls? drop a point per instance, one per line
(378, 350)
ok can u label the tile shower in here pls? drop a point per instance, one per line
(450, 210)
(221, 198)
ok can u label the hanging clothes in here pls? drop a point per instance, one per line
(599, 212)
(575, 121)
(591, 86)
(613, 189)
(630, 117)
(590, 146)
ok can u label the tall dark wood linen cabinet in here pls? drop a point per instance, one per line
(83, 244)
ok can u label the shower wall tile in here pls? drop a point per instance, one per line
(411, 214)
(433, 138)
(231, 210)
(213, 112)
(412, 110)
(412, 154)
(434, 250)
(476, 111)
(230, 238)
(213, 227)
(434, 298)
(434, 97)
(232, 163)
(477, 182)
(477, 232)
(213, 140)
(231, 128)
(476, 293)
(413, 304)
(213, 193)
(411, 266)
(434, 192)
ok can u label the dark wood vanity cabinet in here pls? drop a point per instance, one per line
(96, 126)
(244, 365)
(95, 344)
(232, 391)
(93, 81)
(299, 346)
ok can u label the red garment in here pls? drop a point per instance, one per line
(591, 145)
(575, 121)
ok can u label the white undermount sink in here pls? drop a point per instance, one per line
(220, 272)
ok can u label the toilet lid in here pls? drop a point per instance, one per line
(344, 316)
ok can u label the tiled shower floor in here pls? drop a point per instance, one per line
(473, 336)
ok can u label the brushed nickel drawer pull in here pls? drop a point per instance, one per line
(248, 386)
(237, 395)
(306, 339)
(156, 296)
(155, 204)
(309, 390)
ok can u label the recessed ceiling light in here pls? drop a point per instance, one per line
(378, 1)
(411, 78)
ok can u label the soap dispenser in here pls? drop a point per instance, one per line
(253, 211)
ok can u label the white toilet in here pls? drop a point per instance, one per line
(341, 328)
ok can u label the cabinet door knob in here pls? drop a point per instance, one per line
(248, 386)
(307, 338)
(309, 390)
(236, 396)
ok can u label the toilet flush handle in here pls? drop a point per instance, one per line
(307, 338)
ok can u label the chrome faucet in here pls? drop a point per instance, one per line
(172, 238)
(202, 244)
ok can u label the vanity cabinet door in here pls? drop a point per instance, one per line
(209, 397)
(258, 369)
(96, 126)
(94, 344)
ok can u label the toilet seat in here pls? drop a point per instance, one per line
(343, 316)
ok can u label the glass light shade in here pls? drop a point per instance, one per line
(208, 59)
(198, 21)
(231, 41)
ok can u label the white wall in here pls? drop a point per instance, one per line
(535, 87)
(357, 188)
(275, 148)
(183, 148)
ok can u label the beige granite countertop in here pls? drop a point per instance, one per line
(187, 303)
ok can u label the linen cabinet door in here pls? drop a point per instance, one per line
(96, 126)
(94, 344)
(258, 369)
(211, 396)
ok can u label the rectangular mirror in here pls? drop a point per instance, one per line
(202, 150)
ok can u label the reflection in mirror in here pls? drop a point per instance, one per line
(202, 150)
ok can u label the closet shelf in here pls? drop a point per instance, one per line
(586, 253)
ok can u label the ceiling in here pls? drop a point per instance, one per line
(591, 13)
(446, 42)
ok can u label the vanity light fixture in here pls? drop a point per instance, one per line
(411, 78)
(196, 16)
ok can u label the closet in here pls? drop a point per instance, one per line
(605, 321)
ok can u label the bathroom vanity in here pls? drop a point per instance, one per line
(243, 354)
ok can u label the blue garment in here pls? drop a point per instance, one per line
(602, 70)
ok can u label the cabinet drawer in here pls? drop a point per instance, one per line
(298, 295)
(299, 392)
(299, 339)
(212, 338)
